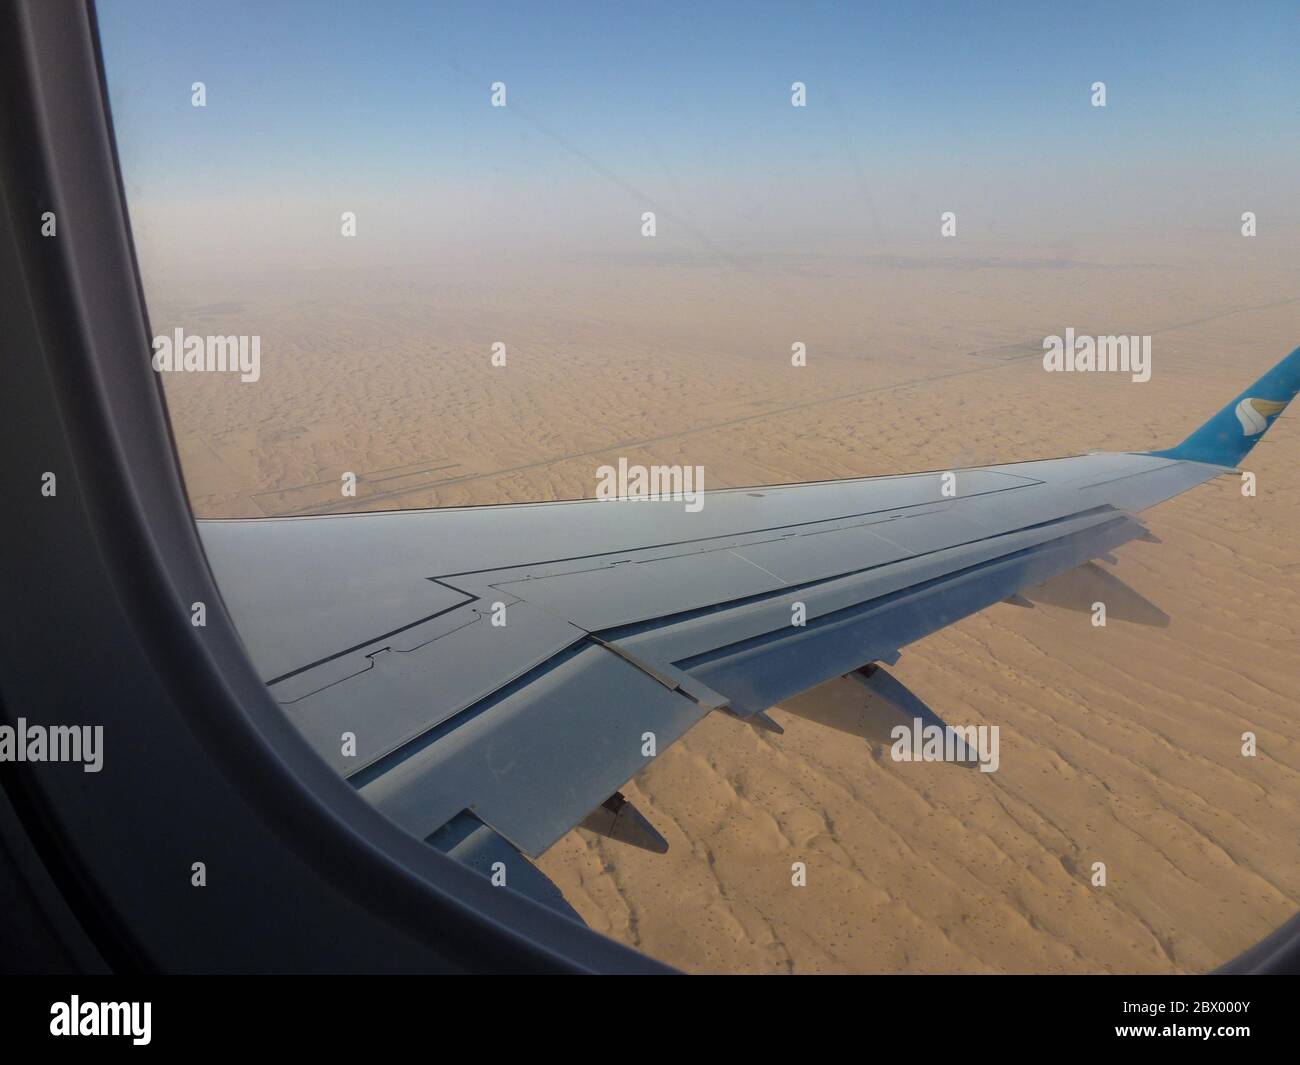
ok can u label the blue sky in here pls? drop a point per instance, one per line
(689, 104)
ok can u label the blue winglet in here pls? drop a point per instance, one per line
(1227, 438)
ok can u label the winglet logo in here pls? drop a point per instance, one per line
(132, 1019)
(1254, 414)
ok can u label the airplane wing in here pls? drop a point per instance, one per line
(491, 676)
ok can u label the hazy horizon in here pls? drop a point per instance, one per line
(912, 110)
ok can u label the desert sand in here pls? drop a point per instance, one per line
(1120, 745)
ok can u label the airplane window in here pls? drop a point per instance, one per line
(642, 447)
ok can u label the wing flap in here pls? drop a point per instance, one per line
(536, 758)
(401, 694)
(760, 672)
(687, 636)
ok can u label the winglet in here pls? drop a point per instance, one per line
(1227, 438)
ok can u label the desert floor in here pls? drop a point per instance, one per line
(1120, 745)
